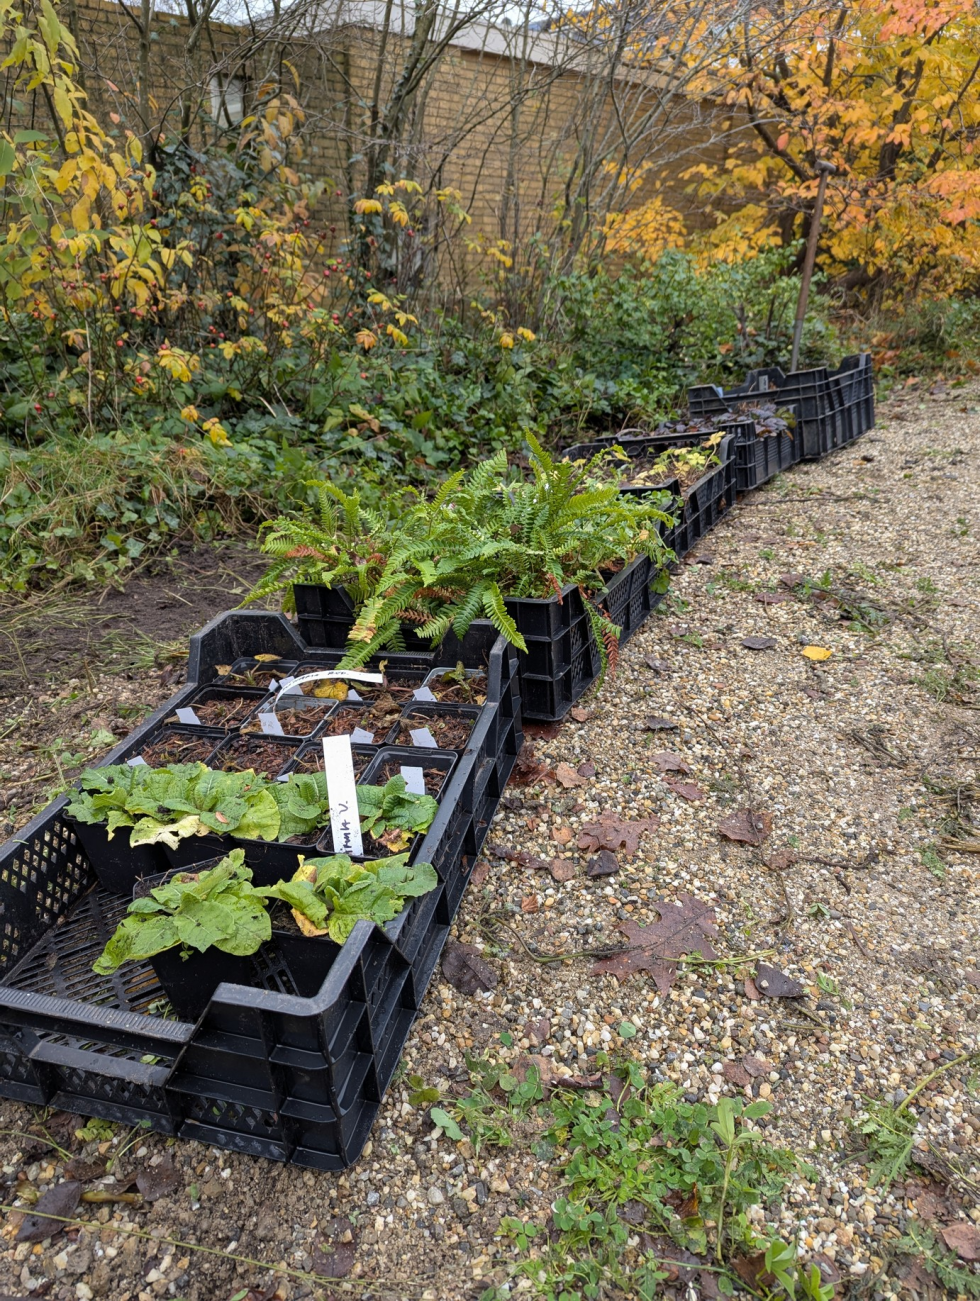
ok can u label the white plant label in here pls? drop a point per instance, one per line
(338, 764)
(352, 694)
(423, 693)
(271, 725)
(137, 761)
(288, 684)
(187, 715)
(414, 780)
(362, 737)
(422, 736)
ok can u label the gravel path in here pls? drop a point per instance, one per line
(854, 892)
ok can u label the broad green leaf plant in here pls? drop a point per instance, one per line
(166, 805)
(218, 908)
(328, 896)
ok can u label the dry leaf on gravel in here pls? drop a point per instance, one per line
(528, 769)
(604, 864)
(466, 969)
(792, 579)
(964, 1239)
(561, 869)
(686, 790)
(780, 860)
(86, 1171)
(755, 1065)
(586, 769)
(654, 724)
(758, 643)
(561, 835)
(336, 1258)
(817, 653)
(773, 983)
(747, 826)
(658, 666)
(530, 904)
(542, 731)
(50, 1209)
(751, 991)
(668, 761)
(682, 929)
(614, 832)
(158, 1180)
(736, 1074)
(581, 715)
(772, 598)
(480, 874)
(568, 777)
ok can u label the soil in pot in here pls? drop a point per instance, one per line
(400, 690)
(222, 711)
(312, 761)
(295, 722)
(687, 465)
(263, 754)
(450, 731)
(261, 675)
(379, 717)
(470, 691)
(177, 747)
(307, 958)
(434, 777)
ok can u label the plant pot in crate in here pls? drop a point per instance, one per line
(116, 863)
(190, 981)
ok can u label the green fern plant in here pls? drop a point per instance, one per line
(484, 537)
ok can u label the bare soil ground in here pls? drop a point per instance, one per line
(860, 773)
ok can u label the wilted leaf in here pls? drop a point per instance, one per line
(755, 1065)
(773, 983)
(746, 826)
(964, 1239)
(158, 1180)
(265, 658)
(568, 777)
(772, 598)
(542, 731)
(528, 769)
(750, 990)
(561, 835)
(604, 864)
(758, 643)
(561, 869)
(736, 1074)
(792, 579)
(667, 761)
(530, 904)
(586, 769)
(686, 790)
(780, 860)
(752, 1270)
(614, 832)
(580, 714)
(682, 928)
(58, 1202)
(335, 1259)
(655, 724)
(480, 874)
(658, 666)
(538, 1032)
(466, 969)
(817, 653)
(86, 1171)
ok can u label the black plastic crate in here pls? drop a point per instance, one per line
(834, 406)
(761, 456)
(263, 1071)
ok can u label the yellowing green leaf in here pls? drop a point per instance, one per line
(817, 653)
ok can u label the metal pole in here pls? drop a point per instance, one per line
(823, 171)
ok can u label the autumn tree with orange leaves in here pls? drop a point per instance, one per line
(888, 93)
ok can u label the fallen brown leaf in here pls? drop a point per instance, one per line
(682, 928)
(747, 826)
(529, 769)
(774, 983)
(338, 1261)
(658, 666)
(758, 643)
(686, 790)
(736, 1074)
(541, 731)
(668, 761)
(755, 1065)
(614, 832)
(750, 990)
(963, 1238)
(586, 769)
(158, 1180)
(780, 860)
(772, 598)
(49, 1212)
(464, 966)
(479, 874)
(655, 724)
(561, 869)
(561, 835)
(581, 715)
(604, 864)
(568, 777)
(530, 904)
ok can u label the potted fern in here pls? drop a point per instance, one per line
(537, 555)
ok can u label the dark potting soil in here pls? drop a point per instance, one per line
(471, 691)
(223, 712)
(313, 762)
(264, 756)
(379, 718)
(295, 722)
(171, 748)
(450, 731)
(434, 777)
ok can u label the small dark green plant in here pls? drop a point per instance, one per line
(957, 1280)
(329, 896)
(218, 908)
